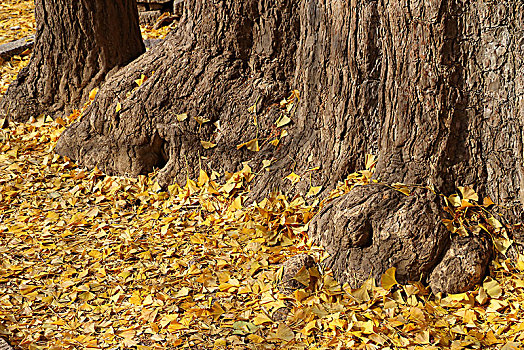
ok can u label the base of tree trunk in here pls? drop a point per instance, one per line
(411, 83)
(374, 227)
(77, 44)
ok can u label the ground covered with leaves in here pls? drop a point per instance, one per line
(94, 261)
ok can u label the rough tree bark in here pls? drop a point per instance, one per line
(77, 44)
(431, 87)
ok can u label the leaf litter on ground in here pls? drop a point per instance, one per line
(95, 261)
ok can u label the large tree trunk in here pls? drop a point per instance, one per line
(432, 87)
(77, 44)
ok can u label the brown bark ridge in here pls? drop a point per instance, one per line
(77, 44)
(431, 87)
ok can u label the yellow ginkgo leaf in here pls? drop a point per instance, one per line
(252, 109)
(261, 319)
(202, 120)
(492, 287)
(251, 145)
(468, 193)
(487, 202)
(494, 222)
(455, 200)
(284, 332)
(140, 81)
(274, 142)
(294, 178)
(92, 94)
(181, 117)
(282, 121)
(302, 276)
(388, 278)
(202, 178)
(313, 191)
(207, 144)
(371, 160)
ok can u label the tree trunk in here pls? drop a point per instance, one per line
(431, 87)
(77, 44)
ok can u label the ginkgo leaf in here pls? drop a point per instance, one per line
(266, 163)
(118, 107)
(492, 287)
(282, 121)
(482, 296)
(201, 120)
(455, 200)
(92, 94)
(502, 245)
(284, 332)
(466, 204)
(487, 202)
(388, 278)
(512, 345)
(313, 191)
(494, 222)
(141, 80)
(251, 145)
(261, 319)
(302, 276)
(468, 193)
(294, 178)
(244, 327)
(181, 117)
(202, 178)
(255, 338)
(274, 142)
(236, 204)
(253, 108)
(370, 161)
(398, 186)
(183, 292)
(208, 144)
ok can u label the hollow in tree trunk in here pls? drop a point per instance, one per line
(431, 87)
(77, 44)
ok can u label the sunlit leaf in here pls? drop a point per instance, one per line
(455, 200)
(492, 288)
(294, 178)
(494, 222)
(284, 332)
(371, 160)
(207, 144)
(388, 278)
(92, 94)
(313, 191)
(468, 193)
(251, 145)
(283, 121)
(181, 117)
(201, 120)
(140, 80)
